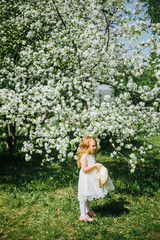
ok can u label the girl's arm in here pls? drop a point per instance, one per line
(84, 165)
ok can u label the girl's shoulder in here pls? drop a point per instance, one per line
(84, 156)
(87, 155)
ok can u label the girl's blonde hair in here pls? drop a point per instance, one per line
(84, 147)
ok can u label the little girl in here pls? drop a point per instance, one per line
(88, 186)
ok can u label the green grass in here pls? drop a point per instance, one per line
(41, 202)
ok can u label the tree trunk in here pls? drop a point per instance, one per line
(84, 104)
(10, 131)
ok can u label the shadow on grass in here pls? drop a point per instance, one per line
(16, 171)
(113, 208)
(145, 180)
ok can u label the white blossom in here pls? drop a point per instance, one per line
(48, 83)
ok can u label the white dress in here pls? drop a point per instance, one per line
(88, 186)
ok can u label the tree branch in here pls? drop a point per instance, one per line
(121, 89)
(64, 24)
(107, 29)
(59, 14)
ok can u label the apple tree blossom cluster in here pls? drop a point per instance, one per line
(53, 53)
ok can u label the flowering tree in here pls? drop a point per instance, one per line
(53, 52)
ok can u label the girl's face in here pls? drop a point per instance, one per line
(92, 146)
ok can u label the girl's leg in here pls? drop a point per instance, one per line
(87, 206)
(83, 208)
(90, 213)
(82, 205)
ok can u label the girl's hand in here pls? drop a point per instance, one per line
(97, 165)
(85, 167)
